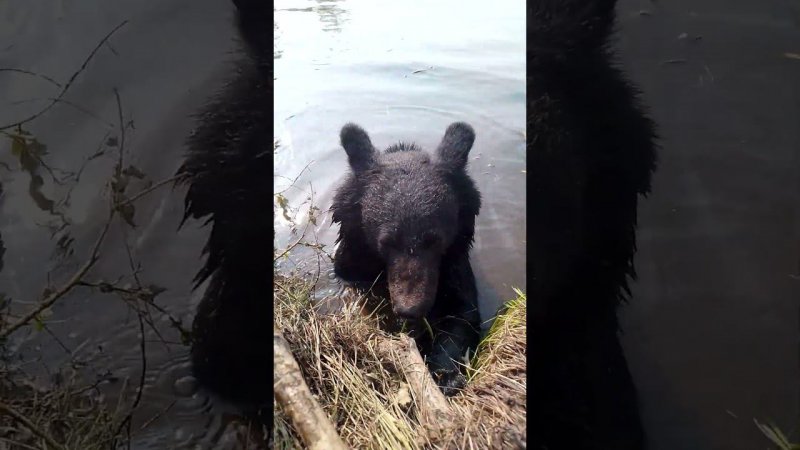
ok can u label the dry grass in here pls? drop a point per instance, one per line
(776, 436)
(65, 416)
(366, 396)
(493, 403)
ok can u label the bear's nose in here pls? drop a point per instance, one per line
(412, 284)
(405, 313)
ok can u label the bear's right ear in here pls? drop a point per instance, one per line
(456, 144)
(360, 152)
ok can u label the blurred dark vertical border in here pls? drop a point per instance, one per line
(591, 151)
(229, 168)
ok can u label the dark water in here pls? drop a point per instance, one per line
(712, 332)
(165, 62)
(404, 75)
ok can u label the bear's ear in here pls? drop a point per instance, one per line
(455, 145)
(360, 152)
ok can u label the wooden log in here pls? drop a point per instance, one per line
(435, 411)
(296, 400)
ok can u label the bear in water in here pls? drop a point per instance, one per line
(407, 223)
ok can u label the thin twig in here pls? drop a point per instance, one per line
(28, 72)
(142, 346)
(129, 253)
(63, 290)
(69, 82)
(76, 176)
(121, 129)
(104, 286)
(58, 341)
(157, 415)
(295, 244)
(295, 178)
(152, 188)
(68, 103)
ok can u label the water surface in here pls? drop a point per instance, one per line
(711, 334)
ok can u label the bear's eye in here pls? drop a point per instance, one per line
(430, 240)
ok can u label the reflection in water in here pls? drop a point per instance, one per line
(330, 14)
(276, 51)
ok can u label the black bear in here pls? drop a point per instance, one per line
(591, 154)
(227, 169)
(407, 223)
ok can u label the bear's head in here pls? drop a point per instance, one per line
(402, 213)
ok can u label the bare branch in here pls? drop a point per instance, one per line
(152, 188)
(28, 72)
(76, 106)
(63, 290)
(69, 82)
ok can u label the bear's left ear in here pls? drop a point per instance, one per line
(456, 144)
(360, 152)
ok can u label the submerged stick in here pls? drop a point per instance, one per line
(434, 409)
(294, 397)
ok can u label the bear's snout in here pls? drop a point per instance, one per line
(412, 285)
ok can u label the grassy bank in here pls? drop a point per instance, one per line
(62, 416)
(369, 400)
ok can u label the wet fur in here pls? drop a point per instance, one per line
(454, 314)
(591, 154)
